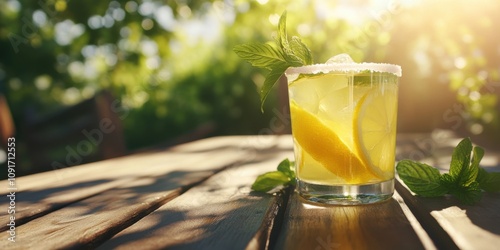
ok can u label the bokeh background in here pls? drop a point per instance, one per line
(170, 63)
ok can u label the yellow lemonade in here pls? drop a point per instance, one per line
(344, 131)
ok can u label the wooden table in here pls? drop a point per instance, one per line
(197, 196)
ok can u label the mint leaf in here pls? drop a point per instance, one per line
(301, 51)
(269, 181)
(296, 53)
(261, 55)
(287, 167)
(467, 194)
(271, 78)
(489, 182)
(276, 59)
(272, 180)
(461, 169)
(282, 38)
(477, 156)
(421, 178)
(447, 181)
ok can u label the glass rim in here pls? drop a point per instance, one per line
(346, 67)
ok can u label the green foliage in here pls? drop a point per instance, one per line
(168, 80)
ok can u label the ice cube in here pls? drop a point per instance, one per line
(340, 58)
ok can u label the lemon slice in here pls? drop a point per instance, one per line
(375, 129)
(325, 146)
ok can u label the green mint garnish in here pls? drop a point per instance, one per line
(489, 182)
(275, 58)
(270, 181)
(421, 178)
(465, 179)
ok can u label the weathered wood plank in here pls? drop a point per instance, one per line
(220, 213)
(450, 224)
(42, 193)
(455, 226)
(266, 235)
(89, 221)
(419, 230)
(377, 226)
(122, 165)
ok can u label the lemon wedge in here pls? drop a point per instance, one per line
(325, 146)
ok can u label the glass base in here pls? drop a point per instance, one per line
(346, 194)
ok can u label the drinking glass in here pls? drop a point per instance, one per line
(343, 118)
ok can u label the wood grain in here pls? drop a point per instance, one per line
(220, 213)
(42, 193)
(453, 225)
(127, 165)
(87, 222)
(377, 226)
(93, 179)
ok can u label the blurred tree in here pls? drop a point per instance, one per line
(167, 63)
(451, 79)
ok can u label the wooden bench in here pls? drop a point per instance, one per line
(7, 128)
(86, 132)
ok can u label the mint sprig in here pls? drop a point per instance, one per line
(465, 180)
(489, 182)
(270, 181)
(276, 58)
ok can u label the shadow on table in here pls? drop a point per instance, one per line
(225, 225)
(490, 206)
(98, 195)
(32, 204)
(220, 212)
(483, 214)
